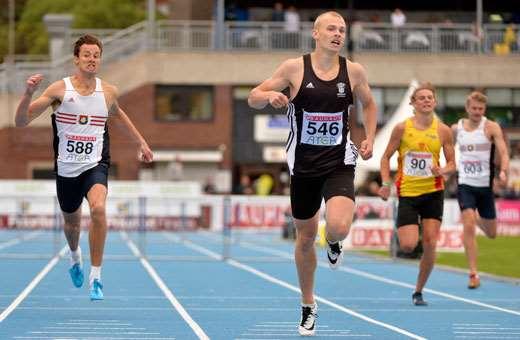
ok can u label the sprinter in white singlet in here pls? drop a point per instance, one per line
(82, 105)
(477, 137)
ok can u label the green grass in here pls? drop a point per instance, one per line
(500, 256)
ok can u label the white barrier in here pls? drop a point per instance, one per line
(180, 206)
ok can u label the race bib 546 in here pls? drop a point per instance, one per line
(322, 129)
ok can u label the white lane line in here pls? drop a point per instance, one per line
(91, 320)
(98, 328)
(92, 338)
(17, 240)
(284, 284)
(95, 333)
(97, 324)
(164, 288)
(488, 328)
(33, 284)
(492, 333)
(385, 280)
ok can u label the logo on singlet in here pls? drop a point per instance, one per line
(309, 86)
(83, 119)
(341, 90)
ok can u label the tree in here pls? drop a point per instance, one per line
(31, 33)
(4, 23)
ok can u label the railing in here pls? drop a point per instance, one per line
(264, 36)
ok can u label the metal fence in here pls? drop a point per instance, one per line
(268, 37)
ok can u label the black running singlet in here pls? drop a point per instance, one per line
(318, 116)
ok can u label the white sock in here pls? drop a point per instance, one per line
(95, 273)
(312, 305)
(75, 256)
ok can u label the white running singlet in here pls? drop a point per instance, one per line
(80, 130)
(476, 155)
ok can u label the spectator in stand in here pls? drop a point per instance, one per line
(398, 18)
(292, 19)
(278, 13)
(515, 150)
(355, 30)
(245, 187)
(209, 186)
(292, 27)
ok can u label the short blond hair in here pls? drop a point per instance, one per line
(477, 96)
(320, 17)
(423, 86)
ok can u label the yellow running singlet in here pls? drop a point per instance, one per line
(418, 152)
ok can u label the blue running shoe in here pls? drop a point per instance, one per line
(96, 291)
(76, 274)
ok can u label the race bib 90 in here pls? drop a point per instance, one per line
(78, 148)
(322, 129)
(418, 164)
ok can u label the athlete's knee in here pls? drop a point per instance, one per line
(469, 231)
(408, 247)
(97, 211)
(71, 225)
(338, 231)
(429, 243)
(304, 241)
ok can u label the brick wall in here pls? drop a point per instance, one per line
(19, 146)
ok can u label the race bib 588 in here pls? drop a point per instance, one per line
(76, 148)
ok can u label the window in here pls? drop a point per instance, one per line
(184, 103)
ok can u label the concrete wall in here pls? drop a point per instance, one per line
(252, 68)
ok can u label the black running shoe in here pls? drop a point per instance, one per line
(418, 300)
(307, 325)
(334, 254)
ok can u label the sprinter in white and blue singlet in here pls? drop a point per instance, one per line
(82, 104)
(320, 155)
(477, 138)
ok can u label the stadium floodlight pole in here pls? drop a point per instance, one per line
(9, 59)
(11, 33)
(478, 23)
(151, 24)
(219, 25)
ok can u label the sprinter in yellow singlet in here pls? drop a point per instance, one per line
(420, 179)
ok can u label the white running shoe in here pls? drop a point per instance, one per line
(335, 254)
(307, 325)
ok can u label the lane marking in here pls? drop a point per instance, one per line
(384, 280)
(289, 286)
(33, 284)
(164, 288)
(19, 239)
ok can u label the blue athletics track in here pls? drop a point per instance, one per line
(202, 285)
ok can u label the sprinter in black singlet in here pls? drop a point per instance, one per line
(320, 155)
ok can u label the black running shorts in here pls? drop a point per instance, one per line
(482, 199)
(429, 205)
(307, 192)
(71, 190)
